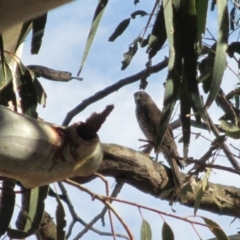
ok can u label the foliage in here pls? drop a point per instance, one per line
(195, 64)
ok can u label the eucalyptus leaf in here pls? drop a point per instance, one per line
(167, 232)
(38, 28)
(215, 229)
(7, 204)
(220, 58)
(94, 26)
(119, 29)
(146, 232)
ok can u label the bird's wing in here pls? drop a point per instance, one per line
(153, 114)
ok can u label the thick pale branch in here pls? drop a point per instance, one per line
(151, 177)
(37, 153)
(13, 12)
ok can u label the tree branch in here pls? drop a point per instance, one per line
(112, 88)
(151, 177)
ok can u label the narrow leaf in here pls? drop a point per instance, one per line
(185, 110)
(220, 58)
(202, 6)
(41, 94)
(167, 233)
(5, 74)
(95, 22)
(174, 73)
(201, 190)
(213, 4)
(7, 204)
(27, 92)
(38, 27)
(31, 214)
(215, 229)
(122, 26)
(146, 232)
(158, 36)
(232, 18)
(2, 58)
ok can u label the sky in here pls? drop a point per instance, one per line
(62, 48)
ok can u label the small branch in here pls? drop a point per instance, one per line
(220, 167)
(151, 177)
(109, 212)
(104, 201)
(112, 88)
(105, 198)
(177, 123)
(75, 219)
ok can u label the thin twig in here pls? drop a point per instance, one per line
(112, 88)
(104, 201)
(220, 167)
(109, 212)
(115, 192)
(76, 218)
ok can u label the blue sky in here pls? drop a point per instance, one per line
(62, 48)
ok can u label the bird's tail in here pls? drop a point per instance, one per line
(175, 169)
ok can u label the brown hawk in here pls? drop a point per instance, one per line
(148, 117)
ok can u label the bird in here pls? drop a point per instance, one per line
(148, 117)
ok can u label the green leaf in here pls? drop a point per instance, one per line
(166, 193)
(146, 232)
(7, 204)
(27, 92)
(2, 58)
(201, 190)
(167, 233)
(232, 130)
(31, 213)
(41, 94)
(122, 26)
(158, 36)
(95, 22)
(213, 5)
(60, 218)
(185, 110)
(237, 101)
(220, 58)
(232, 18)
(5, 74)
(174, 73)
(202, 6)
(26, 27)
(215, 229)
(38, 27)
(227, 126)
